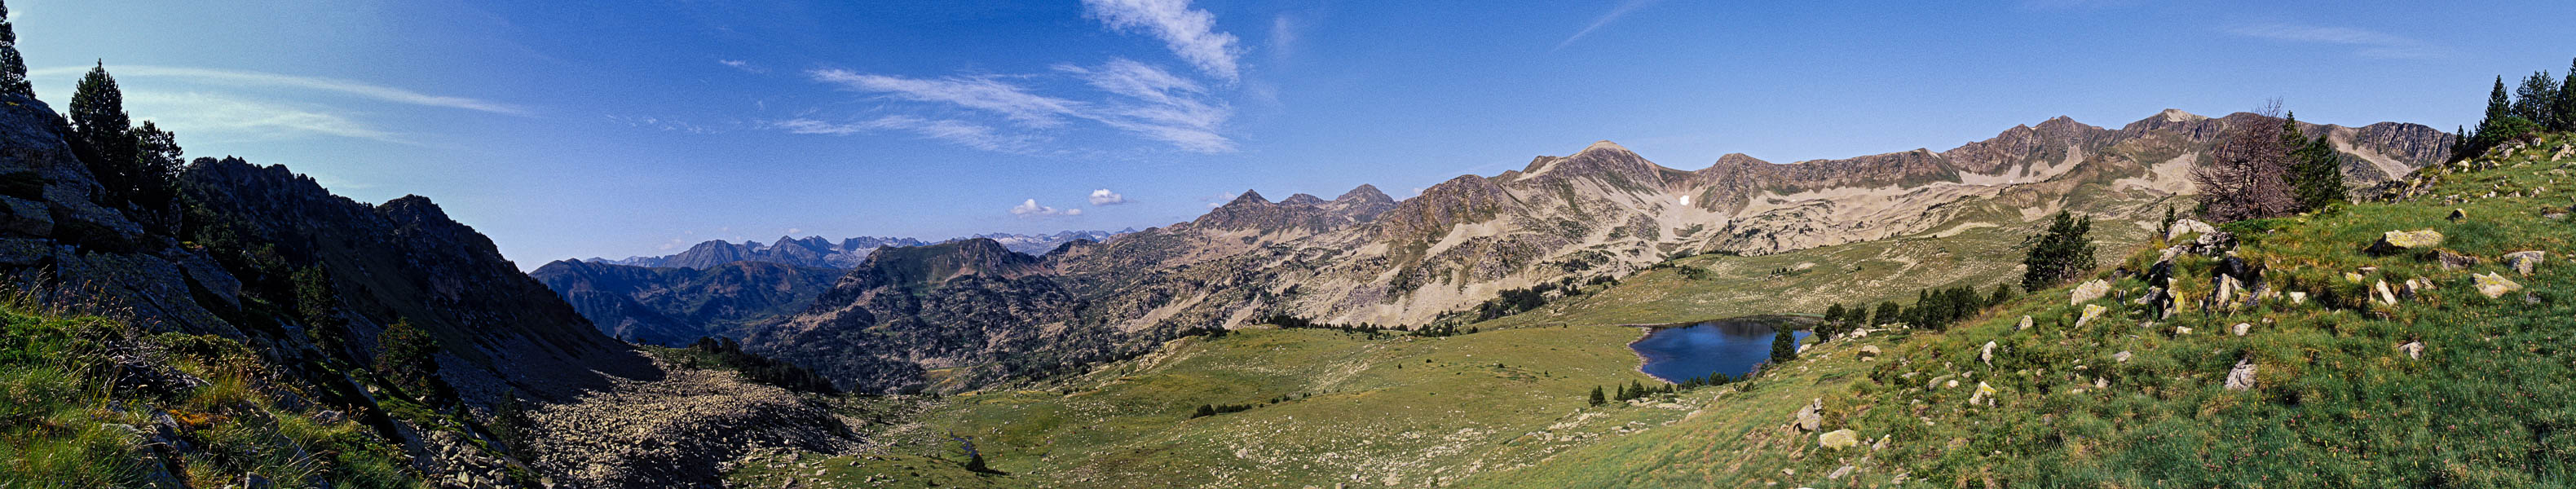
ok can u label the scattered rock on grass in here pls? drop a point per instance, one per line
(2452, 260)
(1838, 439)
(2494, 285)
(2091, 312)
(2241, 328)
(2525, 262)
(2414, 350)
(2089, 291)
(2241, 377)
(2393, 242)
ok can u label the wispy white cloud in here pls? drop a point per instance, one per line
(1189, 33)
(246, 118)
(1622, 10)
(666, 124)
(2369, 44)
(1106, 197)
(745, 66)
(1030, 208)
(963, 133)
(981, 93)
(1144, 100)
(254, 78)
(2076, 4)
(1159, 105)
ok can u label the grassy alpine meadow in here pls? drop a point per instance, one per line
(67, 422)
(1316, 407)
(2444, 387)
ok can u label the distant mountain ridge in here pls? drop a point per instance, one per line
(814, 251)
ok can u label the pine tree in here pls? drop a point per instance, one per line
(1833, 316)
(1596, 396)
(2063, 251)
(2565, 106)
(1784, 345)
(2316, 168)
(2537, 99)
(407, 357)
(13, 67)
(2003, 292)
(1888, 312)
(100, 126)
(318, 304)
(157, 161)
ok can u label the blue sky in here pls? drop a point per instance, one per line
(579, 130)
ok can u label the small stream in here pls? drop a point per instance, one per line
(1730, 346)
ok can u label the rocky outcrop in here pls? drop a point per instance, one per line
(906, 311)
(678, 431)
(673, 306)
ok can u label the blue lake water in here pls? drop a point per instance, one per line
(1731, 346)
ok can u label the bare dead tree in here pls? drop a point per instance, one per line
(2249, 177)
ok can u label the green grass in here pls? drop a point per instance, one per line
(62, 423)
(2335, 403)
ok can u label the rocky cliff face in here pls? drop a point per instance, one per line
(972, 306)
(406, 260)
(673, 306)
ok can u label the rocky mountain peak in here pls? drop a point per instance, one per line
(932, 265)
(1303, 199)
(1364, 192)
(1248, 197)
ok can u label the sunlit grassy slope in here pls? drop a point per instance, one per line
(65, 420)
(2334, 402)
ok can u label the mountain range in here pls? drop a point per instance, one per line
(814, 251)
(1365, 258)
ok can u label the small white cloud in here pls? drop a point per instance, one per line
(745, 66)
(1189, 33)
(1106, 197)
(1030, 208)
(792, 231)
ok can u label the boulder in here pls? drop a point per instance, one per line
(2091, 312)
(2452, 260)
(2025, 323)
(1985, 395)
(2298, 297)
(2385, 297)
(1867, 351)
(2525, 262)
(2494, 285)
(2241, 377)
(2414, 350)
(1987, 354)
(2241, 328)
(2186, 226)
(2089, 291)
(2122, 356)
(1838, 439)
(2394, 242)
(1811, 418)
(2457, 215)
